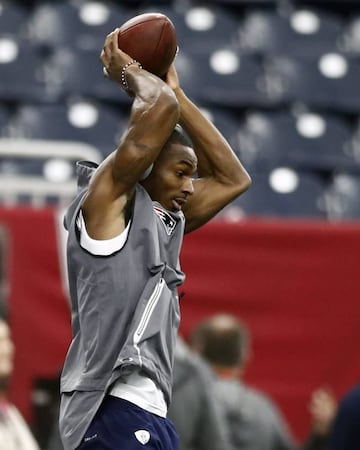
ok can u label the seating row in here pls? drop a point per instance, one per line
(304, 139)
(223, 77)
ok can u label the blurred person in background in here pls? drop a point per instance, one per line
(254, 421)
(323, 408)
(345, 430)
(194, 410)
(14, 431)
(335, 425)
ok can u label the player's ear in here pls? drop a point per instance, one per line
(147, 172)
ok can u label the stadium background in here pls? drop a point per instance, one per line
(280, 80)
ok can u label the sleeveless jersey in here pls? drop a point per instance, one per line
(124, 306)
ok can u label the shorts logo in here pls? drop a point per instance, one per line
(142, 436)
(90, 438)
(168, 221)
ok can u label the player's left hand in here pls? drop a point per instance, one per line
(172, 78)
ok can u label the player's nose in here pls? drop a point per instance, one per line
(188, 186)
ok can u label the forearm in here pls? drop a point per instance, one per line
(154, 113)
(215, 156)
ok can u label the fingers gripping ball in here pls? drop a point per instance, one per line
(150, 39)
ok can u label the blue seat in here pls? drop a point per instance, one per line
(329, 81)
(226, 121)
(80, 72)
(303, 32)
(299, 195)
(13, 19)
(349, 41)
(22, 71)
(24, 167)
(342, 197)
(83, 25)
(304, 140)
(222, 77)
(4, 120)
(201, 27)
(242, 3)
(81, 121)
(140, 3)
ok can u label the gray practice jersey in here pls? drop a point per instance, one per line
(125, 309)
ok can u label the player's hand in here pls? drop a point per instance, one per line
(113, 58)
(172, 79)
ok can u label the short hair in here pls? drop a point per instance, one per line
(179, 136)
(223, 340)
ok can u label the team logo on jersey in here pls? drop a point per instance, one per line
(168, 220)
(142, 436)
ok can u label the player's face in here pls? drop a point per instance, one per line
(171, 180)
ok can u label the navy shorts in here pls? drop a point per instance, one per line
(121, 425)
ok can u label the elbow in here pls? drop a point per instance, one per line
(246, 183)
(243, 183)
(155, 95)
(169, 105)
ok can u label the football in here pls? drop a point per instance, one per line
(149, 38)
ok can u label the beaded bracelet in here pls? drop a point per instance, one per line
(123, 72)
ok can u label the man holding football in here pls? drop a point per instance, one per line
(171, 173)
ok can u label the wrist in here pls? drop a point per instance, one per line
(128, 69)
(179, 93)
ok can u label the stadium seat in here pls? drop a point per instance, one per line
(342, 197)
(81, 121)
(349, 41)
(282, 194)
(201, 27)
(225, 121)
(24, 167)
(303, 32)
(22, 71)
(304, 140)
(353, 148)
(242, 3)
(13, 19)
(83, 25)
(222, 77)
(79, 72)
(4, 120)
(329, 81)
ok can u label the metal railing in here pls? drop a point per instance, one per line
(36, 189)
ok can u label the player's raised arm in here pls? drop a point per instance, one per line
(154, 114)
(221, 176)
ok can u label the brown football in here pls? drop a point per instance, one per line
(149, 38)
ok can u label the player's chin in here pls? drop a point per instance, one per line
(176, 206)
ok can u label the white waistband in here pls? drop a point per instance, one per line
(142, 391)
